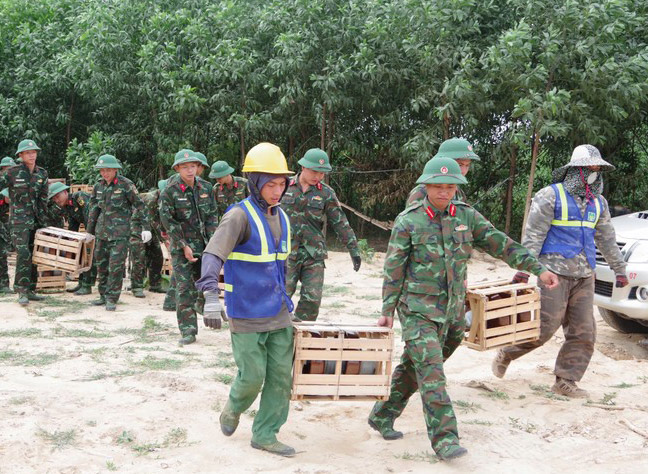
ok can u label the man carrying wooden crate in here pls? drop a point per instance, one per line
(567, 222)
(114, 201)
(27, 185)
(425, 270)
(78, 213)
(253, 242)
(57, 196)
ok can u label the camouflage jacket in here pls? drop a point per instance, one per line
(418, 193)
(151, 210)
(539, 223)
(4, 220)
(56, 215)
(188, 214)
(228, 195)
(426, 260)
(307, 212)
(78, 210)
(28, 195)
(111, 207)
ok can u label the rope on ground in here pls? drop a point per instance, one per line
(383, 225)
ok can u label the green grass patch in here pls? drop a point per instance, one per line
(376, 297)
(49, 314)
(94, 333)
(111, 466)
(58, 439)
(478, 422)
(367, 253)
(177, 437)
(608, 399)
(220, 363)
(27, 333)
(24, 400)
(27, 359)
(467, 407)
(154, 363)
(496, 395)
(335, 305)
(544, 391)
(226, 379)
(624, 385)
(522, 425)
(330, 290)
(423, 456)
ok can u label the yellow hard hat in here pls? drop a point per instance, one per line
(265, 158)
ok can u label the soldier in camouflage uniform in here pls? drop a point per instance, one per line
(188, 213)
(230, 189)
(6, 163)
(78, 210)
(459, 150)
(147, 255)
(57, 202)
(114, 201)
(425, 270)
(567, 222)
(5, 237)
(308, 202)
(27, 185)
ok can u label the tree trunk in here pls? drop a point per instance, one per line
(534, 160)
(446, 126)
(68, 131)
(509, 189)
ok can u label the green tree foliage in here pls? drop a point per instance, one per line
(377, 83)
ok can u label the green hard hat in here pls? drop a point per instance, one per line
(317, 160)
(56, 188)
(108, 161)
(457, 149)
(7, 161)
(441, 170)
(162, 184)
(220, 169)
(202, 158)
(5, 192)
(185, 156)
(27, 145)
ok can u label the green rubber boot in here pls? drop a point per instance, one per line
(138, 293)
(384, 427)
(84, 290)
(23, 300)
(34, 297)
(453, 451)
(99, 301)
(229, 420)
(275, 448)
(186, 340)
(111, 305)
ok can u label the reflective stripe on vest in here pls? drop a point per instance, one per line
(564, 208)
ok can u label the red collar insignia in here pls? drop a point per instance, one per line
(319, 186)
(221, 187)
(292, 182)
(69, 202)
(183, 187)
(430, 212)
(452, 210)
(236, 184)
(1, 201)
(115, 182)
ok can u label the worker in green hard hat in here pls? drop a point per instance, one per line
(424, 273)
(229, 189)
(57, 201)
(460, 150)
(27, 185)
(6, 163)
(308, 202)
(114, 200)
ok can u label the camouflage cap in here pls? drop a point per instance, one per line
(441, 170)
(27, 145)
(56, 188)
(107, 161)
(202, 158)
(457, 149)
(582, 156)
(7, 161)
(185, 156)
(220, 169)
(316, 159)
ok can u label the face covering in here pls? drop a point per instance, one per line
(592, 177)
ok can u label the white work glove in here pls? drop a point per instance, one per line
(212, 310)
(146, 236)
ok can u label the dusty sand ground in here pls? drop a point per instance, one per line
(83, 390)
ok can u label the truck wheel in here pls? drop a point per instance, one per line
(621, 324)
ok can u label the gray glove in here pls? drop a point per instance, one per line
(212, 310)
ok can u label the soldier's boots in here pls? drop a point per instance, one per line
(84, 290)
(187, 339)
(387, 432)
(568, 388)
(23, 300)
(157, 289)
(99, 301)
(500, 364)
(453, 451)
(111, 305)
(229, 420)
(275, 448)
(138, 293)
(75, 289)
(34, 297)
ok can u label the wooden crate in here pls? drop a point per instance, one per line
(503, 314)
(11, 259)
(342, 362)
(86, 188)
(64, 250)
(50, 279)
(167, 268)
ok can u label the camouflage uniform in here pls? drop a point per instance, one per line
(111, 208)
(570, 304)
(4, 243)
(307, 212)
(189, 216)
(78, 210)
(425, 270)
(228, 195)
(146, 255)
(28, 196)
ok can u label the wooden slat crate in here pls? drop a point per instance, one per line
(503, 314)
(50, 279)
(87, 188)
(11, 259)
(167, 268)
(342, 362)
(63, 249)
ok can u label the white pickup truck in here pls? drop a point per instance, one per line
(626, 309)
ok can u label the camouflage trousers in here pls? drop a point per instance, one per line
(263, 359)
(26, 273)
(4, 268)
(170, 296)
(145, 256)
(569, 305)
(87, 279)
(311, 274)
(421, 368)
(187, 296)
(110, 256)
